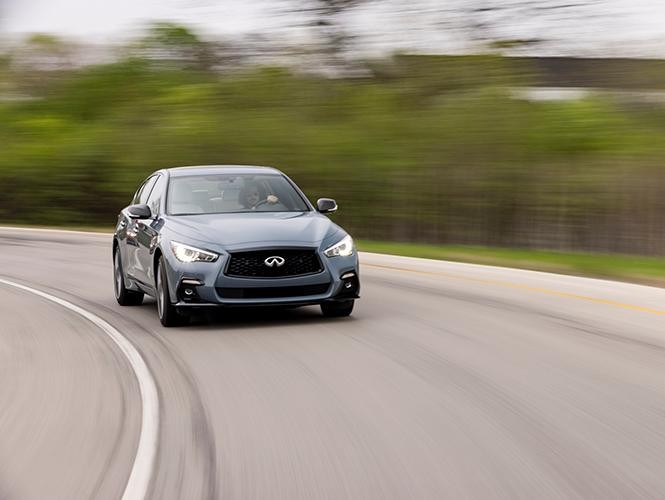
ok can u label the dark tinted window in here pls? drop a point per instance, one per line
(155, 198)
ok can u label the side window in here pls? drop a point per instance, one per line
(155, 198)
(137, 195)
(142, 194)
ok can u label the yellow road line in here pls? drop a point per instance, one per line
(508, 284)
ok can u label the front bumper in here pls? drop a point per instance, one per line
(200, 285)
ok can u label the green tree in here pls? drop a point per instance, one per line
(174, 45)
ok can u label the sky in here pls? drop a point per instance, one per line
(602, 28)
(94, 18)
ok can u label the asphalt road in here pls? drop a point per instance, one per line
(449, 381)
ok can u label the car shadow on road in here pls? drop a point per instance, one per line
(241, 318)
(253, 317)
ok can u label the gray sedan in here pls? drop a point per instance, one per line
(223, 236)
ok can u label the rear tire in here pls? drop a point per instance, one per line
(337, 309)
(168, 314)
(124, 296)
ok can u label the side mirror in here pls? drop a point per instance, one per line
(326, 205)
(139, 211)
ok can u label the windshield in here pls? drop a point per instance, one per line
(232, 193)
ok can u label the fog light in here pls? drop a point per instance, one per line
(189, 292)
(348, 285)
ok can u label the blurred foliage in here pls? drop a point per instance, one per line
(427, 149)
(176, 46)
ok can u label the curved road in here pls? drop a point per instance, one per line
(450, 381)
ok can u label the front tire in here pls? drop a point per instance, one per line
(168, 314)
(337, 309)
(124, 296)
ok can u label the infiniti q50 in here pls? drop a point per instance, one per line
(225, 236)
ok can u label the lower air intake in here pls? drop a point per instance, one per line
(275, 292)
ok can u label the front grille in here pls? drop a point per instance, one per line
(274, 292)
(252, 264)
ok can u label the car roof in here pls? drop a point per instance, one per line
(220, 169)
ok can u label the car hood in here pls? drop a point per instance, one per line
(247, 230)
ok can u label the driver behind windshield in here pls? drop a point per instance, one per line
(253, 196)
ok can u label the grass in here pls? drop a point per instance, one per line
(630, 268)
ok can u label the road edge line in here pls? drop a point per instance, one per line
(146, 451)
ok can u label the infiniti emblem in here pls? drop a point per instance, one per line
(275, 260)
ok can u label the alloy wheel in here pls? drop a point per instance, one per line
(117, 271)
(160, 293)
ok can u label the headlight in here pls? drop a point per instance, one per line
(185, 253)
(343, 248)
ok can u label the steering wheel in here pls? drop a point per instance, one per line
(272, 199)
